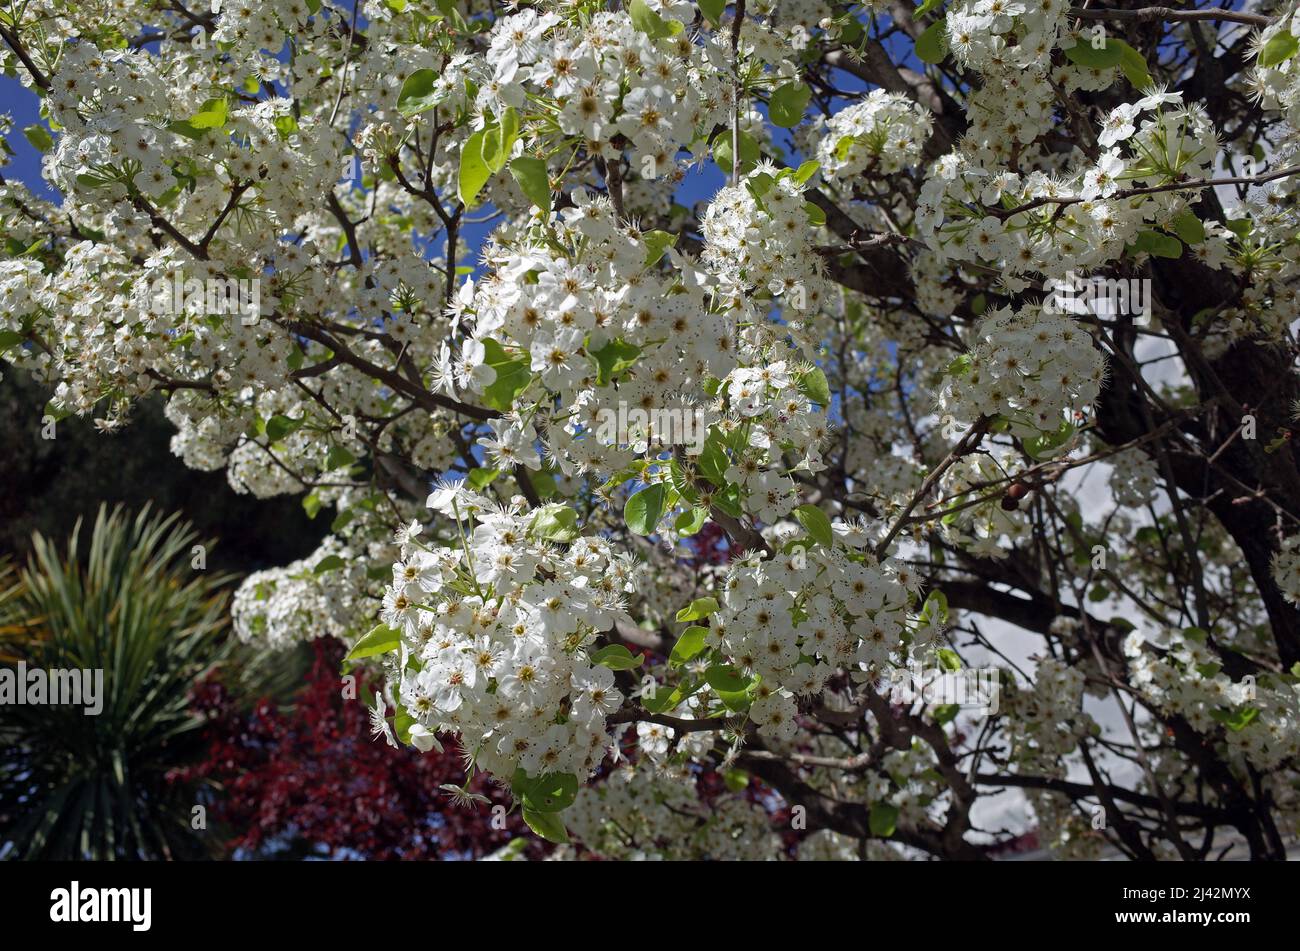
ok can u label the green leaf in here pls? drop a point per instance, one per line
(285, 126)
(713, 461)
(417, 93)
(211, 115)
(328, 563)
(474, 171)
(814, 386)
(1133, 65)
(555, 522)
(10, 338)
(533, 179)
(39, 137)
(513, 376)
(816, 524)
(948, 659)
(338, 457)
(1084, 54)
(690, 522)
(664, 699)
(688, 646)
(616, 657)
(935, 608)
(712, 10)
(816, 214)
(731, 687)
(946, 713)
(749, 151)
(402, 723)
(737, 780)
(499, 140)
(651, 23)
(932, 45)
(481, 478)
(549, 793)
(311, 504)
(657, 245)
(787, 105)
(926, 7)
(805, 172)
(612, 359)
(726, 679)
(278, 427)
(1236, 720)
(697, 609)
(1158, 244)
(1188, 227)
(883, 819)
(548, 825)
(643, 510)
(380, 640)
(1281, 46)
(1045, 446)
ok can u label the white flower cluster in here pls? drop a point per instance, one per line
(606, 79)
(1259, 717)
(1134, 478)
(1048, 716)
(993, 35)
(582, 314)
(882, 134)
(757, 235)
(1278, 84)
(789, 622)
(493, 629)
(1286, 569)
(1029, 367)
(1074, 222)
(282, 606)
(643, 813)
(986, 529)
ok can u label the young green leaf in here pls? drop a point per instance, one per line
(548, 825)
(816, 524)
(787, 105)
(883, 819)
(932, 44)
(688, 646)
(699, 608)
(533, 179)
(474, 171)
(616, 657)
(417, 93)
(643, 510)
(1280, 47)
(380, 640)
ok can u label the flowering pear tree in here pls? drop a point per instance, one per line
(699, 390)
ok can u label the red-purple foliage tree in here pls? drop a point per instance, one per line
(314, 782)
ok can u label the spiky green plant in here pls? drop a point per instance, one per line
(74, 786)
